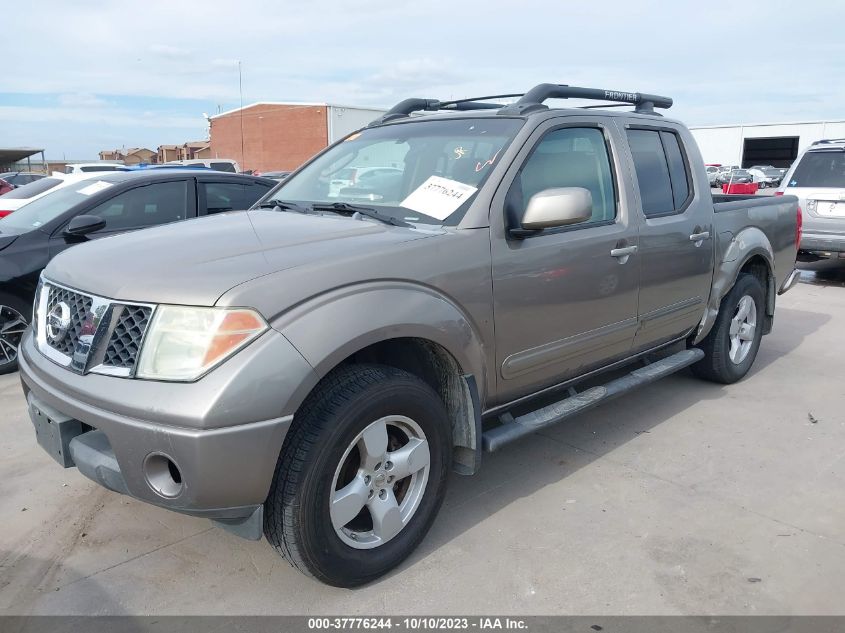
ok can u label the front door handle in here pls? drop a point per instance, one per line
(623, 252)
(699, 237)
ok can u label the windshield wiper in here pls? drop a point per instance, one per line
(283, 206)
(345, 207)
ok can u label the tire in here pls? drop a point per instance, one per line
(14, 320)
(326, 452)
(724, 361)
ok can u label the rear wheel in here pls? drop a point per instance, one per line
(731, 346)
(361, 475)
(13, 323)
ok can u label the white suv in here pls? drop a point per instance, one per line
(818, 179)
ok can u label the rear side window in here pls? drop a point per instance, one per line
(568, 157)
(677, 168)
(145, 206)
(216, 166)
(232, 196)
(819, 169)
(662, 171)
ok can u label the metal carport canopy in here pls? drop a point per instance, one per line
(12, 155)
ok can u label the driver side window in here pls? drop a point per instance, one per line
(568, 157)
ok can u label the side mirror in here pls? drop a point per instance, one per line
(556, 207)
(82, 225)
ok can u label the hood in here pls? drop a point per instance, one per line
(195, 262)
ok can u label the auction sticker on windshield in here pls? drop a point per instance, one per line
(93, 188)
(438, 197)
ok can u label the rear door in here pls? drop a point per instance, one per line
(135, 208)
(676, 234)
(565, 299)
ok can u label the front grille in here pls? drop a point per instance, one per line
(125, 340)
(80, 307)
(102, 336)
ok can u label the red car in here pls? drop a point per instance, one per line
(5, 187)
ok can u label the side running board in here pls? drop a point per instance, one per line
(512, 428)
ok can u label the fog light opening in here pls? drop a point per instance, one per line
(163, 475)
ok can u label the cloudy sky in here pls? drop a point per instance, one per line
(87, 75)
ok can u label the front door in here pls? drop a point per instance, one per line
(565, 299)
(676, 236)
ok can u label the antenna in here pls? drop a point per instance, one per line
(241, 92)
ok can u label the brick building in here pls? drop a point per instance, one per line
(282, 135)
(131, 156)
(186, 151)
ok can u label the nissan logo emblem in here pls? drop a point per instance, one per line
(58, 322)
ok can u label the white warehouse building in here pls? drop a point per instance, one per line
(777, 144)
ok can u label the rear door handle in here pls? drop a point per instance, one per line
(698, 237)
(623, 252)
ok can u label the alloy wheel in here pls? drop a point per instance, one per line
(380, 482)
(743, 327)
(12, 326)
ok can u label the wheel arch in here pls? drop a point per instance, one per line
(747, 252)
(414, 328)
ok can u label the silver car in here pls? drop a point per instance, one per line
(818, 179)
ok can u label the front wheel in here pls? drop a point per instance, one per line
(361, 475)
(13, 323)
(731, 346)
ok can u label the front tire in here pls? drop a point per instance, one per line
(731, 346)
(361, 475)
(13, 323)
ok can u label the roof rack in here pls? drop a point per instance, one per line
(827, 141)
(530, 101)
(406, 107)
(533, 100)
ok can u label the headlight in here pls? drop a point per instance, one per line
(183, 343)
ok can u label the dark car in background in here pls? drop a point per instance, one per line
(115, 203)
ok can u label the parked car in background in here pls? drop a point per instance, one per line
(734, 176)
(18, 178)
(312, 369)
(818, 179)
(275, 175)
(80, 168)
(217, 164)
(712, 173)
(16, 198)
(5, 187)
(765, 176)
(96, 206)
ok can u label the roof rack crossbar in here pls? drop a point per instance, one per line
(534, 98)
(406, 107)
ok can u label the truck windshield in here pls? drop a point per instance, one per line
(820, 169)
(419, 171)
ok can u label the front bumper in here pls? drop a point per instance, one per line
(120, 431)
